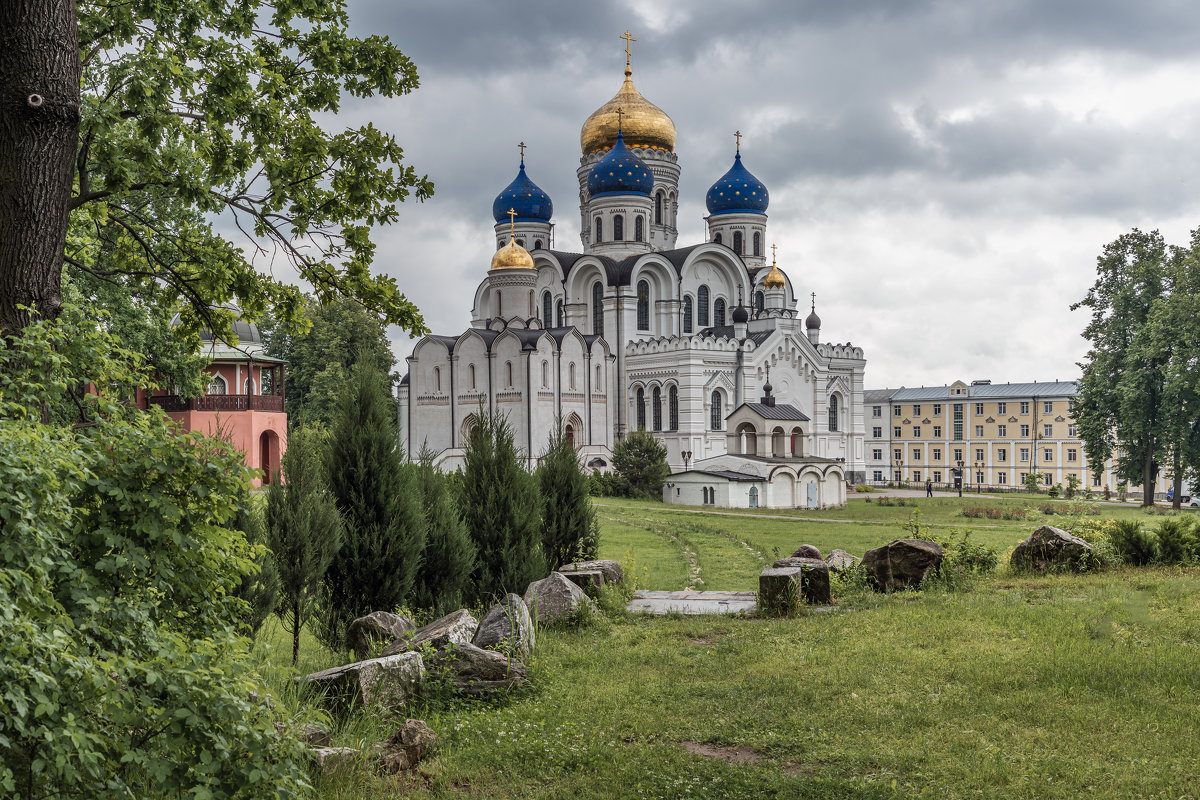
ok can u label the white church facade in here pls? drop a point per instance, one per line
(635, 331)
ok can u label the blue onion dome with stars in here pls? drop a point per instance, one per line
(737, 192)
(524, 197)
(620, 172)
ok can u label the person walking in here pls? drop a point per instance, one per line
(928, 487)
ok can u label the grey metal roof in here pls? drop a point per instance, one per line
(741, 477)
(780, 412)
(758, 337)
(989, 391)
(877, 395)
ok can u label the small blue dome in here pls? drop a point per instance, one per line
(524, 197)
(620, 172)
(737, 192)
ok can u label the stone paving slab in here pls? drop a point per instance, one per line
(690, 602)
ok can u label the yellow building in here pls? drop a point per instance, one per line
(988, 436)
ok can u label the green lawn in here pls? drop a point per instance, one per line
(1056, 687)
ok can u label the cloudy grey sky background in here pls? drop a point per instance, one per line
(942, 174)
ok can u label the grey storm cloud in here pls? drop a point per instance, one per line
(935, 155)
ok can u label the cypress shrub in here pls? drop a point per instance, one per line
(449, 554)
(501, 512)
(569, 529)
(260, 589)
(641, 460)
(381, 508)
(1176, 540)
(1133, 543)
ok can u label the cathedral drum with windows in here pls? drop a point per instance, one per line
(701, 345)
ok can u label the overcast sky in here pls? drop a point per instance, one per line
(942, 174)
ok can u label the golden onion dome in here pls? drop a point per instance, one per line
(642, 123)
(774, 279)
(512, 256)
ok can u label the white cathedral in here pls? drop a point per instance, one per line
(701, 345)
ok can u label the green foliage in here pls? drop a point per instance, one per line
(1072, 488)
(321, 359)
(1134, 543)
(381, 506)
(607, 484)
(569, 528)
(304, 527)
(1177, 540)
(449, 556)
(971, 557)
(1033, 483)
(641, 460)
(190, 113)
(502, 513)
(1054, 490)
(993, 512)
(259, 589)
(123, 671)
(901, 502)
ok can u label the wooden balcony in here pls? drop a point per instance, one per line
(219, 402)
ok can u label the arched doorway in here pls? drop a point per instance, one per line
(747, 438)
(268, 455)
(777, 442)
(797, 443)
(783, 490)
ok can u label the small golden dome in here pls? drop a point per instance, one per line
(642, 123)
(774, 279)
(512, 256)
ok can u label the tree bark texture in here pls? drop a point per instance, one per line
(39, 133)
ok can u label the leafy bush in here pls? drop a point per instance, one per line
(1177, 542)
(607, 484)
(993, 512)
(1135, 544)
(1097, 533)
(902, 502)
(1053, 491)
(642, 461)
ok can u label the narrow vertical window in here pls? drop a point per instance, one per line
(757, 243)
(717, 239)
(758, 301)
(537, 244)
(737, 242)
(658, 209)
(547, 309)
(509, 372)
(656, 411)
(641, 409)
(618, 228)
(598, 308)
(637, 228)
(702, 307)
(719, 312)
(833, 413)
(673, 408)
(437, 379)
(559, 319)
(687, 314)
(716, 413)
(643, 306)
(599, 231)
(545, 375)
(571, 376)
(472, 370)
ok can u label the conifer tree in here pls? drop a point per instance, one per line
(304, 530)
(380, 504)
(501, 512)
(641, 460)
(569, 530)
(449, 552)
(260, 591)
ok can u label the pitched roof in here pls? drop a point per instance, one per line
(988, 391)
(742, 477)
(782, 411)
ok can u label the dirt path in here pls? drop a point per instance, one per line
(706, 512)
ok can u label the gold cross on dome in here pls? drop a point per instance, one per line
(620, 115)
(512, 223)
(737, 135)
(628, 37)
(522, 146)
(772, 255)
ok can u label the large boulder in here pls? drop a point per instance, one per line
(1051, 549)
(814, 579)
(902, 563)
(454, 628)
(806, 551)
(839, 560)
(388, 681)
(378, 626)
(610, 569)
(554, 598)
(334, 760)
(473, 670)
(507, 627)
(584, 578)
(404, 748)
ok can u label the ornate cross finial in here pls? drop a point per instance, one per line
(512, 224)
(620, 115)
(737, 135)
(814, 302)
(522, 146)
(772, 255)
(628, 37)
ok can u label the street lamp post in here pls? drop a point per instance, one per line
(898, 474)
(960, 478)
(687, 456)
(978, 483)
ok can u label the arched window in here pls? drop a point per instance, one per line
(248, 386)
(570, 435)
(758, 301)
(757, 243)
(637, 228)
(687, 313)
(618, 228)
(658, 209)
(641, 409)
(531, 306)
(571, 376)
(833, 413)
(657, 410)
(737, 242)
(754, 497)
(537, 244)
(521, 242)
(718, 239)
(599, 231)
(599, 385)
(716, 414)
(702, 307)
(508, 373)
(471, 370)
(545, 374)
(673, 408)
(547, 309)
(719, 312)
(217, 385)
(437, 379)
(643, 306)
(598, 308)
(559, 319)
(499, 303)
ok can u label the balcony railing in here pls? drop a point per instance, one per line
(219, 402)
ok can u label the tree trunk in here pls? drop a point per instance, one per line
(39, 134)
(296, 631)
(1177, 501)
(1148, 475)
